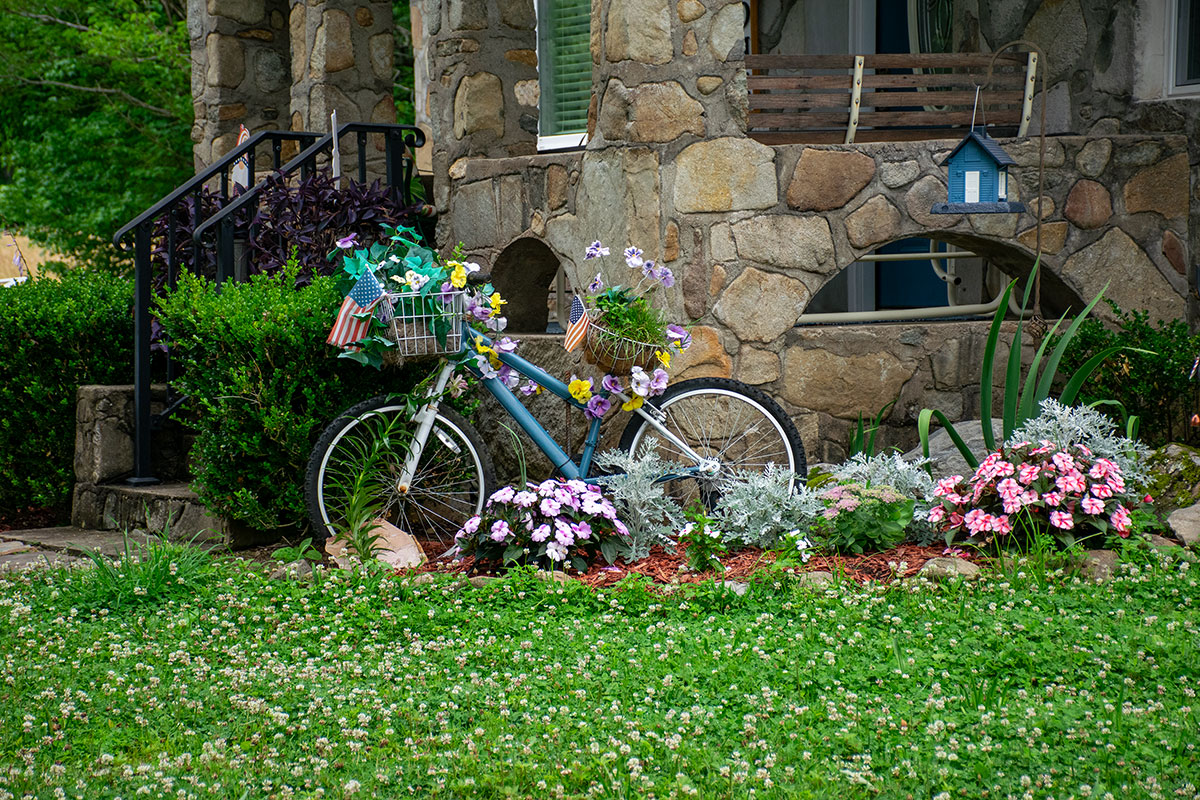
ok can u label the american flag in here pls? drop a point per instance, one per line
(366, 293)
(577, 324)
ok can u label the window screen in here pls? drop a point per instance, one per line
(564, 65)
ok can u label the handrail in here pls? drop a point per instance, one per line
(414, 137)
(202, 177)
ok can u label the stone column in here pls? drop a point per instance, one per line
(239, 71)
(483, 89)
(341, 59)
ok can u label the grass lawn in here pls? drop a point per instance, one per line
(250, 688)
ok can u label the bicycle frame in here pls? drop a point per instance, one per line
(529, 424)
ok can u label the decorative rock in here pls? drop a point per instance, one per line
(1161, 542)
(1063, 24)
(1162, 188)
(261, 34)
(819, 380)
(1027, 152)
(662, 112)
(921, 197)
(1185, 524)
(726, 38)
(424, 579)
(939, 569)
(270, 74)
(761, 306)
(707, 84)
(737, 587)
(295, 570)
(997, 226)
(528, 92)
(639, 30)
(1141, 285)
(247, 12)
(694, 282)
(479, 106)
(1042, 207)
(706, 358)
(875, 221)
(689, 10)
(786, 241)
(1093, 157)
(898, 173)
(1089, 205)
(552, 577)
(480, 581)
(1175, 251)
(689, 46)
(364, 17)
(816, 578)
(296, 23)
(716, 283)
(1054, 236)
(458, 170)
(382, 48)
(828, 179)
(517, 14)
(944, 458)
(334, 51)
(226, 61)
(468, 15)
(727, 174)
(1098, 565)
(757, 366)
(12, 548)
(1140, 154)
(526, 57)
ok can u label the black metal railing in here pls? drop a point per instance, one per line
(230, 222)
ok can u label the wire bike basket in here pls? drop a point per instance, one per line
(613, 352)
(429, 325)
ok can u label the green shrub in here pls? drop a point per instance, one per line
(263, 384)
(1150, 377)
(56, 335)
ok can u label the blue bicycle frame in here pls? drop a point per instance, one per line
(529, 423)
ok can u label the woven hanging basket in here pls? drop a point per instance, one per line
(613, 353)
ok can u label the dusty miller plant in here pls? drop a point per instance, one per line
(1072, 425)
(651, 515)
(909, 478)
(757, 508)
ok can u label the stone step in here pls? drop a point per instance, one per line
(170, 509)
(70, 540)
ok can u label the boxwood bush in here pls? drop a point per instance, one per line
(55, 333)
(262, 384)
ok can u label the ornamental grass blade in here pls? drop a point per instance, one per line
(1069, 392)
(989, 358)
(1043, 388)
(1025, 411)
(1012, 379)
(923, 432)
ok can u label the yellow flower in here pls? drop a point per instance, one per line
(491, 354)
(496, 302)
(458, 277)
(633, 402)
(665, 357)
(580, 389)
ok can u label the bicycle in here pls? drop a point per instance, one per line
(710, 427)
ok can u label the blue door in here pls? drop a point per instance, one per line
(908, 284)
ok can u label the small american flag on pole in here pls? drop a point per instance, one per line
(347, 329)
(577, 324)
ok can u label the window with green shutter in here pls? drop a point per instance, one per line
(564, 71)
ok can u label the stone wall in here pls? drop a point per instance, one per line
(285, 65)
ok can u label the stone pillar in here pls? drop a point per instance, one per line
(483, 89)
(239, 71)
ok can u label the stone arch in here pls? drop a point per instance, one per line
(522, 273)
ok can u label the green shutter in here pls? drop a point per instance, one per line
(564, 65)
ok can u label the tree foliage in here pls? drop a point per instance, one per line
(95, 111)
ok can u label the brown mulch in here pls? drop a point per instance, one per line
(664, 567)
(23, 519)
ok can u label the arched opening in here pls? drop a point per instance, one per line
(523, 274)
(927, 277)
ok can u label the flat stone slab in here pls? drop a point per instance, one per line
(32, 559)
(75, 540)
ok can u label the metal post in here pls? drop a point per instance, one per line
(362, 156)
(224, 250)
(142, 474)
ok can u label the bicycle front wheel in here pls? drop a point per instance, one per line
(736, 426)
(360, 456)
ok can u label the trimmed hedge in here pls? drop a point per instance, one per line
(263, 384)
(56, 334)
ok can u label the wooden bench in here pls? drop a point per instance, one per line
(829, 99)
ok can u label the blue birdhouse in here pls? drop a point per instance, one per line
(978, 178)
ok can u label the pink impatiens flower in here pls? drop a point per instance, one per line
(1062, 519)
(1093, 506)
(1121, 521)
(1028, 473)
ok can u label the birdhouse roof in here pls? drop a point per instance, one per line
(989, 145)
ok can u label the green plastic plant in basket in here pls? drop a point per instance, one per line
(1022, 399)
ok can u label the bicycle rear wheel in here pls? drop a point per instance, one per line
(369, 443)
(737, 426)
